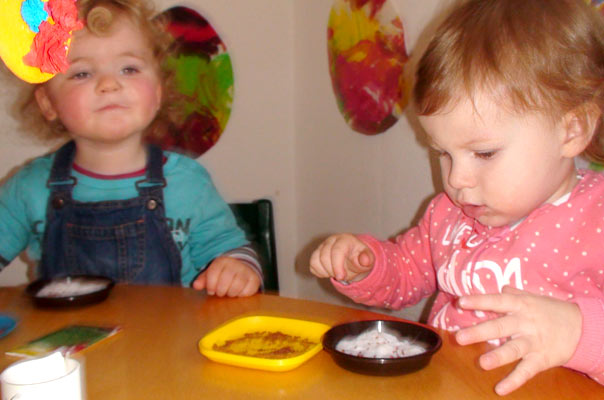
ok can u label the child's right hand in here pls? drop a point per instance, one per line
(343, 257)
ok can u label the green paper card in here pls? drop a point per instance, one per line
(68, 340)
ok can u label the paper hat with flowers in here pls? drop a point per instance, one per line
(35, 35)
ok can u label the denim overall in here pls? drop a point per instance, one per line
(126, 240)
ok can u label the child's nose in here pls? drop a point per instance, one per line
(460, 177)
(108, 83)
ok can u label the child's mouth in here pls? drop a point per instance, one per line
(111, 107)
(473, 211)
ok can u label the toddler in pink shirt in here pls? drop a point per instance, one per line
(509, 92)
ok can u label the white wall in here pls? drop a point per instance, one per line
(347, 181)
(287, 141)
(254, 157)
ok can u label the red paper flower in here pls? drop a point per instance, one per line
(49, 48)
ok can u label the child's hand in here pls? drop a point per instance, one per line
(343, 257)
(542, 332)
(228, 276)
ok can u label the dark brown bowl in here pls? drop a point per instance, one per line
(70, 300)
(383, 366)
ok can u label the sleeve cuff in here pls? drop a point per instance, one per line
(248, 256)
(589, 355)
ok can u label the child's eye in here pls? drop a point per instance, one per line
(80, 75)
(485, 155)
(130, 70)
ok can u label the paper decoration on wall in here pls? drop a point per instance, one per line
(367, 54)
(203, 76)
(584, 161)
(598, 4)
(35, 35)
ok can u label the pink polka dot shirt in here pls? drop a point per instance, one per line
(557, 250)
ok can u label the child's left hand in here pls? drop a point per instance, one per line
(227, 276)
(541, 332)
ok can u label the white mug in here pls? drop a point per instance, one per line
(49, 378)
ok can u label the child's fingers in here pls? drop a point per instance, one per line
(510, 299)
(524, 371)
(510, 351)
(244, 283)
(497, 328)
(340, 252)
(231, 277)
(200, 282)
(498, 302)
(224, 281)
(316, 267)
(213, 276)
(338, 257)
(358, 264)
(236, 286)
(325, 256)
(250, 288)
(511, 290)
(211, 281)
(366, 259)
(350, 257)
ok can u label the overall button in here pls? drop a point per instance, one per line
(58, 202)
(152, 204)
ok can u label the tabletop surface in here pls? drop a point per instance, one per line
(155, 356)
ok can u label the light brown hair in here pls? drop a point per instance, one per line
(99, 16)
(546, 55)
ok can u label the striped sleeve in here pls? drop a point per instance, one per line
(249, 256)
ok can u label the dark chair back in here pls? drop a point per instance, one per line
(256, 220)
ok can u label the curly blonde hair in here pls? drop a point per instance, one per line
(99, 16)
(548, 56)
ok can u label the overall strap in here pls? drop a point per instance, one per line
(154, 179)
(60, 179)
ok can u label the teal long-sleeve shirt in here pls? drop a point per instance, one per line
(201, 223)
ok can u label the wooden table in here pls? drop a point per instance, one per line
(156, 356)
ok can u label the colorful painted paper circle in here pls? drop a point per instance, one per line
(35, 35)
(367, 55)
(203, 76)
(598, 4)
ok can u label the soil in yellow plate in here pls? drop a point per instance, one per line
(266, 344)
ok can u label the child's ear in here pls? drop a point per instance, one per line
(46, 107)
(579, 127)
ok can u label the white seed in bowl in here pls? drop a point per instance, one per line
(71, 287)
(376, 344)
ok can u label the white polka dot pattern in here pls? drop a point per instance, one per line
(557, 251)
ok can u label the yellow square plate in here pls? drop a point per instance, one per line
(238, 327)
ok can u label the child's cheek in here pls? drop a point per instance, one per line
(75, 109)
(151, 95)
